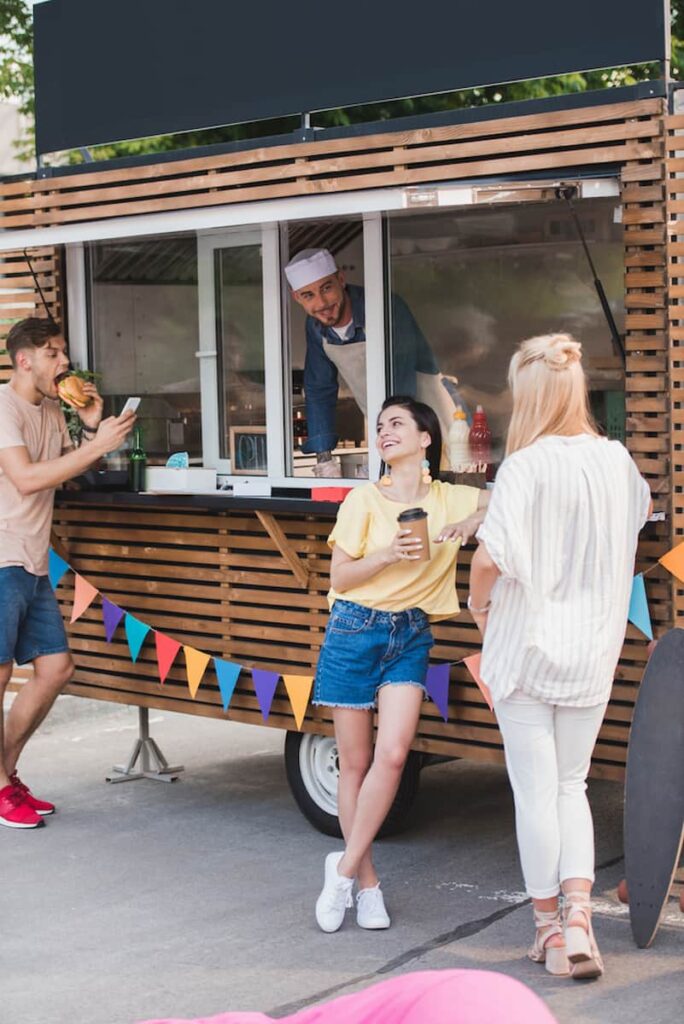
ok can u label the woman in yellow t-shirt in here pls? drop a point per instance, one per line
(377, 643)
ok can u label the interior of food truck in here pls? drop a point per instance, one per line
(203, 326)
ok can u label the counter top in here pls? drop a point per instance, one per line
(211, 502)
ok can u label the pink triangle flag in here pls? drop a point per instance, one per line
(167, 649)
(265, 687)
(437, 685)
(473, 665)
(84, 595)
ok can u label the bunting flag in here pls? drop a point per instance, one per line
(265, 687)
(56, 568)
(84, 595)
(298, 690)
(638, 613)
(673, 561)
(195, 664)
(136, 631)
(473, 665)
(227, 673)
(167, 649)
(437, 685)
(111, 616)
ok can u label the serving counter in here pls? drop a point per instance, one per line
(245, 578)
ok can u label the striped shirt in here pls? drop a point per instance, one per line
(562, 527)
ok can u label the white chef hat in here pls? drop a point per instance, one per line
(309, 265)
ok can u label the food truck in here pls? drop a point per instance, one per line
(490, 224)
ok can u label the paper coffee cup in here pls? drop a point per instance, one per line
(416, 520)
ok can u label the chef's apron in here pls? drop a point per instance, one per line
(350, 361)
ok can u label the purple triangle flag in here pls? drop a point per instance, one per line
(56, 568)
(227, 673)
(437, 685)
(265, 686)
(111, 616)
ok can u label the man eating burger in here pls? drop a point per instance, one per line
(36, 457)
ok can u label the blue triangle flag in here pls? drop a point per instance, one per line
(136, 631)
(638, 613)
(437, 685)
(56, 568)
(227, 673)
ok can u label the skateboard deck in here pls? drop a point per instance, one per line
(654, 787)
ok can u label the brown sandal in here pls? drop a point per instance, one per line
(554, 958)
(583, 953)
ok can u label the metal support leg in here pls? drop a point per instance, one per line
(146, 754)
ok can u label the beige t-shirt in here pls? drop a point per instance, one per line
(25, 521)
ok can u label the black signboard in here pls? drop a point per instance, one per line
(132, 68)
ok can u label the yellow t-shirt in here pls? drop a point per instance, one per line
(367, 522)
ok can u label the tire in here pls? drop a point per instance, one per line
(312, 770)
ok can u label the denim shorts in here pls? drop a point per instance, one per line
(365, 649)
(31, 623)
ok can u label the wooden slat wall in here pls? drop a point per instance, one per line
(675, 273)
(616, 133)
(19, 296)
(215, 581)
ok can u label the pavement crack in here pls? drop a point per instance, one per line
(462, 931)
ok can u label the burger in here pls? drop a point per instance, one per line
(70, 390)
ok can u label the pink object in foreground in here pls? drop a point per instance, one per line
(425, 997)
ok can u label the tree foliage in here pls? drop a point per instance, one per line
(16, 83)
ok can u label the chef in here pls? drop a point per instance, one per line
(336, 347)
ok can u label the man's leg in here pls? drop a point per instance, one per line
(5, 676)
(51, 674)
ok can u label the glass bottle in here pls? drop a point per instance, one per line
(137, 463)
(300, 429)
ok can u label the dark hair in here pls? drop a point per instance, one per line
(425, 419)
(34, 332)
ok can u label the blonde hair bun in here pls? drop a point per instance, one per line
(562, 352)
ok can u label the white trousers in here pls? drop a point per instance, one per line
(548, 752)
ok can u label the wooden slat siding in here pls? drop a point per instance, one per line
(19, 296)
(173, 570)
(675, 268)
(611, 133)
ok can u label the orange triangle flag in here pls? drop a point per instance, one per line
(673, 561)
(473, 665)
(167, 649)
(298, 690)
(195, 664)
(84, 595)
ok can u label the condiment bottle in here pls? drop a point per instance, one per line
(480, 441)
(137, 463)
(459, 442)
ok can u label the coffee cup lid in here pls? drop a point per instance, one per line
(409, 514)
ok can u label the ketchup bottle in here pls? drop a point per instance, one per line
(480, 440)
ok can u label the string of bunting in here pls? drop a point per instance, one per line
(297, 687)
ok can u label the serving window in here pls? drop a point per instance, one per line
(143, 309)
(478, 280)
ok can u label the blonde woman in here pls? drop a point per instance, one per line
(549, 589)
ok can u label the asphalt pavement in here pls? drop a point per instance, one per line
(148, 899)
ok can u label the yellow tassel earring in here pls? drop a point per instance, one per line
(386, 478)
(425, 468)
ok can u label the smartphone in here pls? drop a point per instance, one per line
(130, 406)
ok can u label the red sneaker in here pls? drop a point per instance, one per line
(41, 807)
(14, 812)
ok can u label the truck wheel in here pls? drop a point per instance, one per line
(312, 769)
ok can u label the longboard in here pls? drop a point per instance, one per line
(654, 787)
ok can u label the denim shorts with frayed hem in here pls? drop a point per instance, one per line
(365, 649)
(31, 623)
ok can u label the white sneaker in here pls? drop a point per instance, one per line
(335, 897)
(370, 909)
